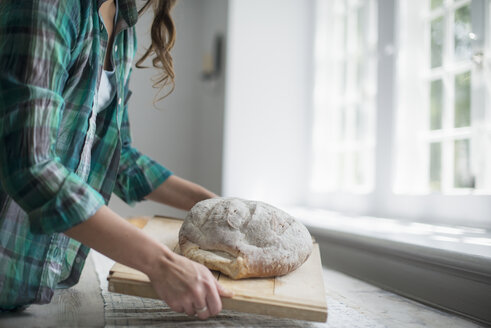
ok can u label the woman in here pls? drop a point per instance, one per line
(65, 147)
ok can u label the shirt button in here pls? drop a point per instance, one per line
(77, 260)
(115, 48)
(119, 101)
(102, 27)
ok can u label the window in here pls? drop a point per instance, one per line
(444, 124)
(345, 55)
(421, 147)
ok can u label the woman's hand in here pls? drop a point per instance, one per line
(187, 286)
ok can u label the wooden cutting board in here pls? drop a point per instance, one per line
(297, 295)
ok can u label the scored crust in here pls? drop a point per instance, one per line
(243, 238)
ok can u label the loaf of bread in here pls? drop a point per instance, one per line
(243, 238)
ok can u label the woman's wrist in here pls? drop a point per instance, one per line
(161, 257)
(112, 236)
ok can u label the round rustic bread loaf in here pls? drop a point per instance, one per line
(243, 238)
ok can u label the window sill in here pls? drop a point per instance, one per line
(448, 267)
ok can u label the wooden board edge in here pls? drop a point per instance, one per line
(133, 288)
(240, 303)
(291, 302)
(321, 273)
(167, 217)
(279, 310)
(125, 276)
(122, 279)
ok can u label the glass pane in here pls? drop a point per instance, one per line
(359, 171)
(437, 32)
(436, 104)
(341, 169)
(346, 32)
(435, 165)
(344, 79)
(436, 3)
(462, 175)
(360, 121)
(342, 123)
(463, 100)
(462, 28)
(360, 61)
(361, 27)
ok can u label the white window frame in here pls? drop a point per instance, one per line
(469, 209)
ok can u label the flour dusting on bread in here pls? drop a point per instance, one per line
(244, 238)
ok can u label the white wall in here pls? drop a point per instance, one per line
(267, 82)
(268, 100)
(185, 134)
(211, 101)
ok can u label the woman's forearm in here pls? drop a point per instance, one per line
(186, 286)
(179, 193)
(112, 236)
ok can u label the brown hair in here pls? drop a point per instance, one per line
(163, 34)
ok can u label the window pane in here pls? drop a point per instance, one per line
(462, 175)
(361, 27)
(360, 121)
(359, 169)
(436, 104)
(437, 42)
(360, 66)
(436, 3)
(343, 80)
(341, 168)
(343, 131)
(463, 99)
(435, 165)
(345, 34)
(462, 28)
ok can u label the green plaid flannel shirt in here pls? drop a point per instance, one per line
(51, 60)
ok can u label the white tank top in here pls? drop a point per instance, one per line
(106, 91)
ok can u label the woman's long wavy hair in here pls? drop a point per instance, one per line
(163, 35)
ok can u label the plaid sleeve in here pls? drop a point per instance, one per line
(35, 43)
(138, 174)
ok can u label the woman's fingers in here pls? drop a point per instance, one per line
(199, 304)
(176, 307)
(202, 312)
(189, 309)
(213, 298)
(222, 291)
(188, 287)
